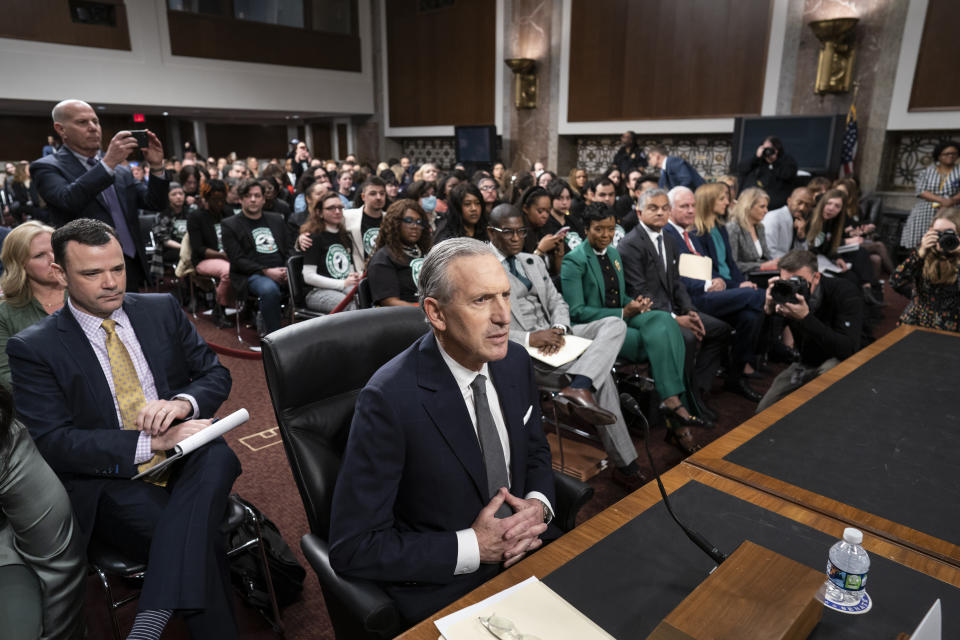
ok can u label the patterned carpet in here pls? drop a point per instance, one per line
(268, 483)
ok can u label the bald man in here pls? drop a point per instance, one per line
(784, 227)
(81, 181)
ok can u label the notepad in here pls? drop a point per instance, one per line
(695, 267)
(573, 347)
(200, 438)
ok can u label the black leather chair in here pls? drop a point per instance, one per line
(314, 404)
(298, 290)
(364, 297)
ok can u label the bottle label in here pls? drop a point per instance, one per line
(847, 581)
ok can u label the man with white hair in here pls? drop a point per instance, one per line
(81, 181)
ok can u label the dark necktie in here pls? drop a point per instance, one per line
(512, 266)
(494, 461)
(116, 214)
(660, 251)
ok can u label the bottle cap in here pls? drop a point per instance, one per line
(853, 536)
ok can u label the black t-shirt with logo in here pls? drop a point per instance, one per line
(328, 252)
(267, 250)
(391, 279)
(369, 230)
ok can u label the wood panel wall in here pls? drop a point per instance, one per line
(50, 21)
(262, 141)
(648, 59)
(935, 82)
(23, 136)
(441, 63)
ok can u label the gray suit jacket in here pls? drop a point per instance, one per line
(554, 306)
(741, 245)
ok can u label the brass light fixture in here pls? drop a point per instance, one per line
(524, 82)
(835, 65)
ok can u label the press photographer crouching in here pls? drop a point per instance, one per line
(825, 316)
(931, 271)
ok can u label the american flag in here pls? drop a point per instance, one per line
(848, 149)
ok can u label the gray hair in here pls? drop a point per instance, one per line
(646, 195)
(675, 192)
(59, 110)
(434, 279)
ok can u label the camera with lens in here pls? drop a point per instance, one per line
(948, 241)
(786, 290)
(768, 152)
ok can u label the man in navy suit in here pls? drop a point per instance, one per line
(80, 181)
(674, 170)
(446, 478)
(73, 385)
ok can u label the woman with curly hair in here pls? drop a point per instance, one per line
(328, 262)
(465, 215)
(394, 268)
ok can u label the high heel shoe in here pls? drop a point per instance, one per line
(682, 440)
(675, 420)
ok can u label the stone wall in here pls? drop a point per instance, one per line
(710, 154)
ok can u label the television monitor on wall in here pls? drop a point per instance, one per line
(476, 144)
(813, 141)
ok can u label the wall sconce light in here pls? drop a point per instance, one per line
(835, 65)
(524, 82)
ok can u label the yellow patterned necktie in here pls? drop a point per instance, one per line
(130, 398)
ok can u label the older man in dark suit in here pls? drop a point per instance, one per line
(80, 181)
(99, 384)
(446, 478)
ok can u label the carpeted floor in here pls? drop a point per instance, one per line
(268, 482)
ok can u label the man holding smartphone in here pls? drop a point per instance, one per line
(82, 181)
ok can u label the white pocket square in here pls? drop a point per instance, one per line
(526, 416)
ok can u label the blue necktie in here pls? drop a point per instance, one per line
(116, 214)
(512, 266)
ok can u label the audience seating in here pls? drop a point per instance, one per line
(298, 290)
(364, 297)
(314, 405)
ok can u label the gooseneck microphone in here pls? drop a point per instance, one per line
(630, 404)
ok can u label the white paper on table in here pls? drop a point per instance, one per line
(199, 439)
(533, 607)
(695, 267)
(930, 628)
(573, 347)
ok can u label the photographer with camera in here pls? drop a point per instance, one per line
(770, 169)
(931, 270)
(825, 316)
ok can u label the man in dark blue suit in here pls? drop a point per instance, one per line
(78, 181)
(446, 478)
(74, 385)
(674, 170)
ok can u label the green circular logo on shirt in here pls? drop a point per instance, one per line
(338, 261)
(370, 239)
(573, 240)
(415, 265)
(618, 234)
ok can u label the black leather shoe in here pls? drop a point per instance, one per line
(780, 352)
(742, 387)
(676, 421)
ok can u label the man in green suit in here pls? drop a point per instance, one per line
(594, 288)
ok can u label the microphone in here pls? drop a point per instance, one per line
(630, 404)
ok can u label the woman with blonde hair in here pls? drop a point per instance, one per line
(712, 201)
(31, 290)
(745, 230)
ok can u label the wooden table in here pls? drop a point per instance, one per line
(711, 458)
(569, 546)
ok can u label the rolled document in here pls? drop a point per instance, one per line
(200, 438)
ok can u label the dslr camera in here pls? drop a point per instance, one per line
(786, 290)
(768, 152)
(948, 241)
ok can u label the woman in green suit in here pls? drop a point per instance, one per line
(593, 287)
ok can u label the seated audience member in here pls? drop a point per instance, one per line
(30, 287)
(22, 193)
(253, 167)
(630, 154)
(540, 318)
(233, 195)
(424, 193)
(310, 198)
(937, 186)
(452, 407)
(238, 171)
(299, 158)
(560, 200)
(192, 178)
(465, 217)
(498, 172)
(345, 188)
(363, 223)
(650, 271)
(545, 178)
(42, 564)
(536, 206)
(328, 264)
(272, 201)
(818, 186)
(748, 243)
(826, 321)
(427, 172)
(206, 244)
(785, 228)
(578, 184)
(613, 175)
(641, 184)
(862, 233)
(740, 307)
(674, 170)
(931, 270)
(96, 435)
(257, 247)
(444, 187)
(169, 230)
(489, 191)
(769, 168)
(712, 201)
(594, 288)
(391, 186)
(403, 242)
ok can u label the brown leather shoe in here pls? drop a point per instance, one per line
(585, 405)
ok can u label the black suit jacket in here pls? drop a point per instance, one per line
(71, 192)
(413, 475)
(645, 274)
(241, 250)
(64, 398)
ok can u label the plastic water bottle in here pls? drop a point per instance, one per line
(847, 567)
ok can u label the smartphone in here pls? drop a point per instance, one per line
(563, 231)
(142, 140)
